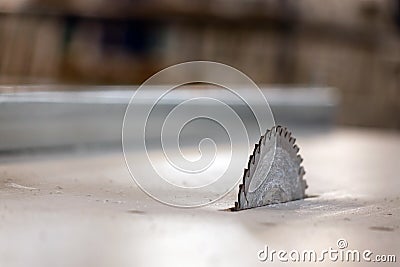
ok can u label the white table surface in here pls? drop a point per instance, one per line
(85, 210)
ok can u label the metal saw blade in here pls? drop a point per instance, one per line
(274, 173)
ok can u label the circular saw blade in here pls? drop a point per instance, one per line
(274, 173)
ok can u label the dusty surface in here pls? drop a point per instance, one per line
(75, 210)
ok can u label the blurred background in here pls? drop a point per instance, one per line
(330, 70)
(351, 45)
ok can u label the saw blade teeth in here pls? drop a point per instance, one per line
(302, 171)
(249, 163)
(269, 134)
(296, 148)
(244, 178)
(299, 159)
(255, 148)
(245, 175)
(282, 131)
(260, 142)
(273, 130)
(277, 136)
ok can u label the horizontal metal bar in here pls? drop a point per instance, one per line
(59, 118)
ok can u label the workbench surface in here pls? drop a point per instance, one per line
(83, 209)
